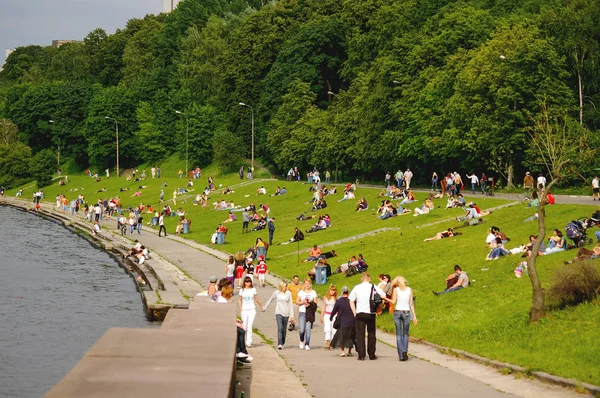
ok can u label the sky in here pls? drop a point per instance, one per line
(25, 22)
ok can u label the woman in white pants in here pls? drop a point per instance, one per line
(328, 303)
(247, 308)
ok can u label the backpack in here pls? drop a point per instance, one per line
(375, 300)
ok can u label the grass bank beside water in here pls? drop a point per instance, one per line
(489, 319)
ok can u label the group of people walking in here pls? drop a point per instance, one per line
(349, 320)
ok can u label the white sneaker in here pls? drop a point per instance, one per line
(280, 347)
(307, 348)
(241, 355)
(249, 358)
(301, 345)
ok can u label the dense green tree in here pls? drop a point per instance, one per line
(150, 140)
(228, 150)
(14, 164)
(42, 166)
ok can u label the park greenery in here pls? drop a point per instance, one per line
(359, 87)
(490, 318)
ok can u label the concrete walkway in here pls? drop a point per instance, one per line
(324, 374)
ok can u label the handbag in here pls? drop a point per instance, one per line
(338, 322)
(375, 300)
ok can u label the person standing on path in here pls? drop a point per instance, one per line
(306, 298)
(483, 181)
(294, 288)
(388, 177)
(474, 182)
(346, 333)
(328, 302)
(596, 188)
(271, 228)
(161, 224)
(248, 296)
(404, 313)
(360, 303)
(528, 184)
(230, 270)
(327, 177)
(408, 175)
(434, 181)
(284, 311)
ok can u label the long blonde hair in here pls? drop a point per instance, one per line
(329, 296)
(400, 282)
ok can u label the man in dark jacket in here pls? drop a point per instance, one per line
(271, 228)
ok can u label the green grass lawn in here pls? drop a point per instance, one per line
(488, 319)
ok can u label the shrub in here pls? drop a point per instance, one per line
(574, 284)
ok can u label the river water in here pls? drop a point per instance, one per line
(58, 295)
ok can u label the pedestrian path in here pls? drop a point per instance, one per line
(325, 374)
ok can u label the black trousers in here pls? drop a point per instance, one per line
(162, 228)
(271, 238)
(365, 321)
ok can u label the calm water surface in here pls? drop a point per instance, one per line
(58, 296)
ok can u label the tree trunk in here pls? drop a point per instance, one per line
(538, 295)
(510, 171)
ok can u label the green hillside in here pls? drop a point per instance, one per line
(490, 318)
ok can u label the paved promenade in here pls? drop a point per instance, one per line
(324, 374)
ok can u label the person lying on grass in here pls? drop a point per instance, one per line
(302, 217)
(390, 211)
(442, 235)
(586, 254)
(353, 262)
(455, 281)
(425, 208)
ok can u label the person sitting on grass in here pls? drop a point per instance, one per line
(313, 254)
(442, 235)
(261, 191)
(452, 202)
(231, 217)
(348, 195)
(425, 208)
(471, 214)
(318, 205)
(332, 190)
(409, 198)
(556, 243)
(455, 281)
(298, 236)
(353, 262)
(535, 200)
(320, 225)
(362, 204)
(497, 251)
(262, 224)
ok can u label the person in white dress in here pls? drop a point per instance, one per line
(248, 297)
(328, 303)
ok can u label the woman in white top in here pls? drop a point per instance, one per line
(404, 312)
(305, 298)
(248, 296)
(284, 311)
(230, 270)
(326, 308)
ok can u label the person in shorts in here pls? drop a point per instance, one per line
(596, 188)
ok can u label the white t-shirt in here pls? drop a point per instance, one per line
(362, 295)
(595, 183)
(541, 180)
(248, 298)
(230, 269)
(303, 294)
(490, 238)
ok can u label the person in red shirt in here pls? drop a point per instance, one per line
(550, 198)
(261, 270)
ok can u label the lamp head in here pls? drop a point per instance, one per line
(107, 117)
(178, 112)
(242, 104)
(330, 93)
(50, 121)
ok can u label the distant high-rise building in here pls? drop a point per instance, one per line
(170, 5)
(58, 43)
(7, 53)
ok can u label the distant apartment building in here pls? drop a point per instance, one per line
(58, 43)
(8, 51)
(170, 5)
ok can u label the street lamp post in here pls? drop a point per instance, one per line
(58, 153)
(187, 139)
(117, 130)
(252, 110)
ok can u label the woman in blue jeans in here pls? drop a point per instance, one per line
(404, 312)
(284, 311)
(305, 298)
